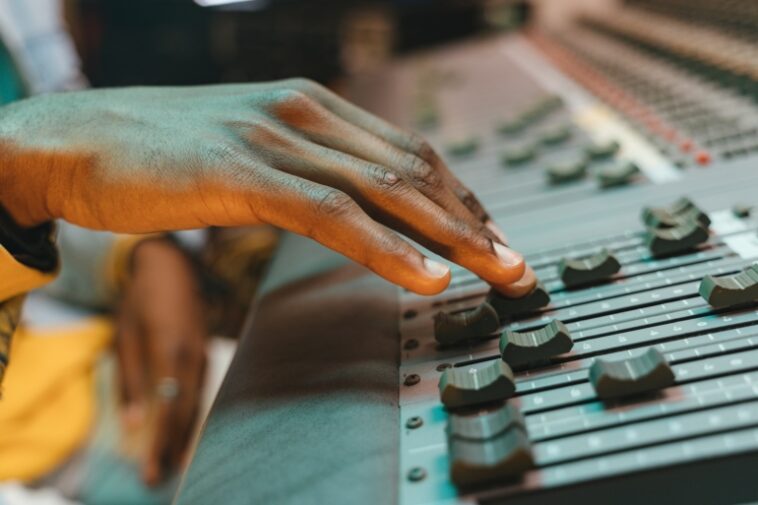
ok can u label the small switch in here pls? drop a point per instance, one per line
(463, 148)
(683, 237)
(566, 171)
(597, 267)
(647, 372)
(476, 323)
(615, 174)
(520, 348)
(506, 307)
(602, 150)
(674, 215)
(731, 290)
(474, 384)
(504, 457)
(518, 155)
(482, 425)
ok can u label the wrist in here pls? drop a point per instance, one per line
(24, 184)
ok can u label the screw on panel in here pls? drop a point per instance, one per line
(416, 474)
(443, 366)
(409, 314)
(414, 422)
(412, 380)
(410, 344)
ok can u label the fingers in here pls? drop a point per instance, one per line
(521, 287)
(334, 219)
(130, 355)
(405, 141)
(398, 204)
(326, 128)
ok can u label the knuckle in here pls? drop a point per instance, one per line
(420, 147)
(289, 98)
(303, 85)
(383, 178)
(423, 174)
(334, 203)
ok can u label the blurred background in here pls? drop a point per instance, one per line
(69, 430)
(126, 42)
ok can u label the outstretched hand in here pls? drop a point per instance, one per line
(288, 153)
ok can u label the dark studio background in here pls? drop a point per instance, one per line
(159, 42)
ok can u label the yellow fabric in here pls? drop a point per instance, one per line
(16, 278)
(49, 400)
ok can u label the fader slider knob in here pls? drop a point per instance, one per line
(474, 384)
(683, 237)
(450, 329)
(599, 266)
(506, 456)
(731, 290)
(602, 150)
(482, 425)
(509, 307)
(523, 347)
(647, 372)
(463, 148)
(615, 174)
(674, 215)
(566, 171)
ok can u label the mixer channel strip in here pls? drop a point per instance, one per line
(698, 395)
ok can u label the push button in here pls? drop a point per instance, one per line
(506, 307)
(731, 290)
(506, 456)
(674, 215)
(451, 329)
(576, 272)
(683, 237)
(602, 150)
(566, 171)
(524, 347)
(647, 372)
(474, 384)
(616, 174)
(483, 425)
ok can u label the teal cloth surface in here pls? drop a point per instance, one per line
(11, 85)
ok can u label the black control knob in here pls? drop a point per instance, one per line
(597, 267)
(524, 347)
(616, 174)
(674, 215)
(683, 237)
(474, 384)
(509, 307)
(731, 290)
(647, 372)
(476, 323)
(506, 456)
(483, 425)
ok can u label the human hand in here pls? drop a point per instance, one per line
(160, 343)
(288, 153)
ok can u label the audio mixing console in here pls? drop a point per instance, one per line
(620, 154)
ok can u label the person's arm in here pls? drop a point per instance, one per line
(287, 153)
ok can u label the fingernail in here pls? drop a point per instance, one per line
(508, 256)
(436, 269)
